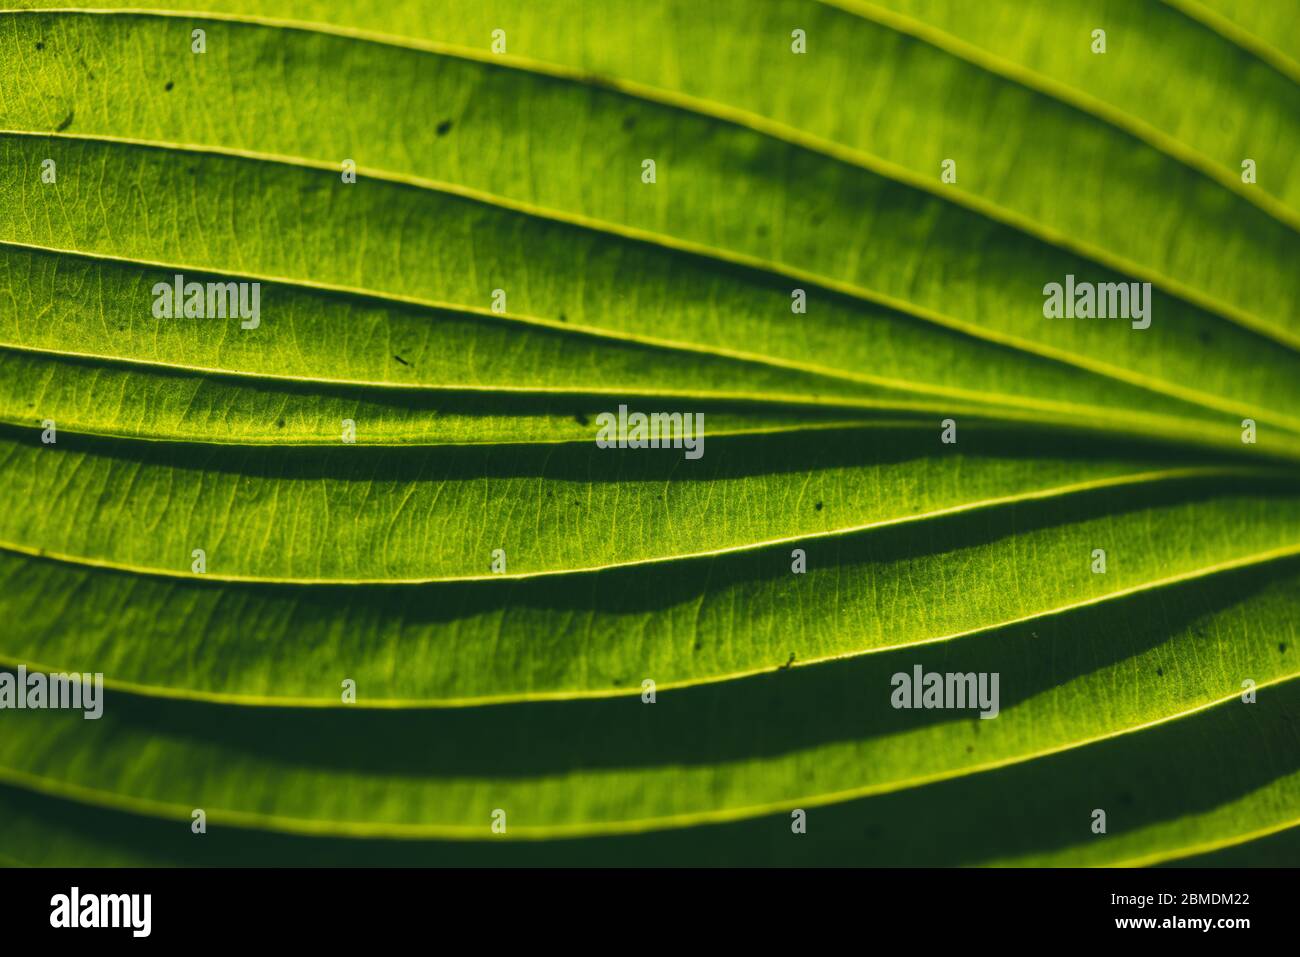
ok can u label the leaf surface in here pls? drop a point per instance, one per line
(388, 474)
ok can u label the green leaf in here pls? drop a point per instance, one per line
(389, 479)
(990, 286)
(605, 766)
(562, 632)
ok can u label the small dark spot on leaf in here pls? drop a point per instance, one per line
(67, 121)
(563, 318)
(40, 45)
(1160, 672)
(443, 128)
(818, 506)
(616, 682)
(970, 748)
(280, 424)
(169, 86)
(629, 122)
(1281, 646)
(580, 419)
(789, 662)
(401, 360)
(699, 645)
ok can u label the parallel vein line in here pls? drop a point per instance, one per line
(763, 125)
(1182, 474)
(1238, 36)
(671, 243)
(1091, 106)
(990, 407)
(367, 829)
